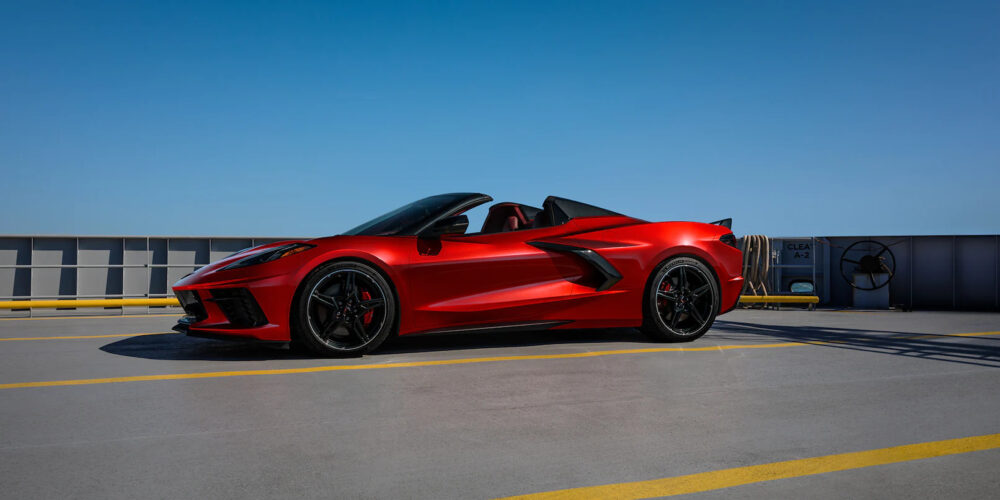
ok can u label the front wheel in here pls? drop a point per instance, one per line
(681, 302)
(344, 309)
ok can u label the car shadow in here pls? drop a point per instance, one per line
(182, 347)
(970, 350)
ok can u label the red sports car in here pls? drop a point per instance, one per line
(416, 270)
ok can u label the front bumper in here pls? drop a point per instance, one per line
(184, 326)
(255, 309)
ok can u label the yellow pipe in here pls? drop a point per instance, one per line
(779, 299)
(52, 304)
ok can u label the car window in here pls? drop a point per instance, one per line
(410, 217)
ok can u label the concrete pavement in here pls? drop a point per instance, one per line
(783, 385)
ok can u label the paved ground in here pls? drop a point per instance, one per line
(502, 427)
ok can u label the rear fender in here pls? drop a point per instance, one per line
(686, 251)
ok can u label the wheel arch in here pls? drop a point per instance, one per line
(663, 261)
(374, 263)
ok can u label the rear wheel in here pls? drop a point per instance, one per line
(344, 309)
(681, 302)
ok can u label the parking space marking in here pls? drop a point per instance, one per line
(946, 335)
(727, 478)
(376, 366)
(65, 337)
(414, 364)
(176, 315)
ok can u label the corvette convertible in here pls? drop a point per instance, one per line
(417, 269)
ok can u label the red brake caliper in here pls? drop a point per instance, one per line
(664, 288)
(367, 318)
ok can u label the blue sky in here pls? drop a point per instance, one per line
(290, 118)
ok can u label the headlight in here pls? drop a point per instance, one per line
(269, 255)
(247, 249)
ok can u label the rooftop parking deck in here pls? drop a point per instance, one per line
(121, 407)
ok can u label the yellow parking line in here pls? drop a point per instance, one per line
(946, 335)
(410, 364)
(727, 478)
(94, 317)
(64, 337)
(413, 364)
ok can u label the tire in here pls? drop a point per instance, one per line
(681, 301)
(343, 309)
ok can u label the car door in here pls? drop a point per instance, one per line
(463, 281)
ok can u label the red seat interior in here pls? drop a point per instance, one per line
(505, 217)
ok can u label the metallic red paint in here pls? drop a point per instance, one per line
(483, 279)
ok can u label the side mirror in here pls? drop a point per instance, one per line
(456, 224)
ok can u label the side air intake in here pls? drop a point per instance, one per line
(602, 266)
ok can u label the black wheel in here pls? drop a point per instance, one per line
(681, 302)
(344, 309)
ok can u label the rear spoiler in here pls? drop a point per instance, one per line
(726, 223)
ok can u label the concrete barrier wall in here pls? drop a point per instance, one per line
(105, 267)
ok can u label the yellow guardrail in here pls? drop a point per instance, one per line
(779, 299)
(57, 304)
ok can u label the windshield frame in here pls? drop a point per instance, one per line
(415, 217)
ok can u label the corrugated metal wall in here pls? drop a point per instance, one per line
(932, 272)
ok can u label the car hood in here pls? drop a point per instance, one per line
(217, 266)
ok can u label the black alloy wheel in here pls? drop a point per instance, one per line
(682, 301)
(344, 309)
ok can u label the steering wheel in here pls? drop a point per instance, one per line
(874, 258)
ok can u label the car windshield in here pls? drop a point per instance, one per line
(408, 218)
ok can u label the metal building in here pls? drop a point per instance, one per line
(931, 272)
